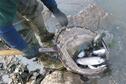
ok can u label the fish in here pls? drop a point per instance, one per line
(81, 54)
(99, 52)
(93, 67)
(99, 37)
(90, 61)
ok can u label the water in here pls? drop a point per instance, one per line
(117, 27)
(116, 7)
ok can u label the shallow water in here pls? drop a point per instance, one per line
(117, 52)
(116, 25)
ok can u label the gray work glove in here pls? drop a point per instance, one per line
(60, 16)
(31, 52)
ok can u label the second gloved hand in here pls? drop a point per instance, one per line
(60, 16)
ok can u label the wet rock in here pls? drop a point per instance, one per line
(51, 61)
(89, 18)
(17, 70)
(6, 79)
(34, 77)
(1, 66)
(62, 77)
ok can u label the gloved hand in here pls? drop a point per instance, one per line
(31, 51)
(60, 16)
(52, 6)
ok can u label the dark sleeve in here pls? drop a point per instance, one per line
(50, 4)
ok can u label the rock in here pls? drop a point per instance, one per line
(6, 79)
(51, 62)
(62, 77)
(89, 18)
(1, 66)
